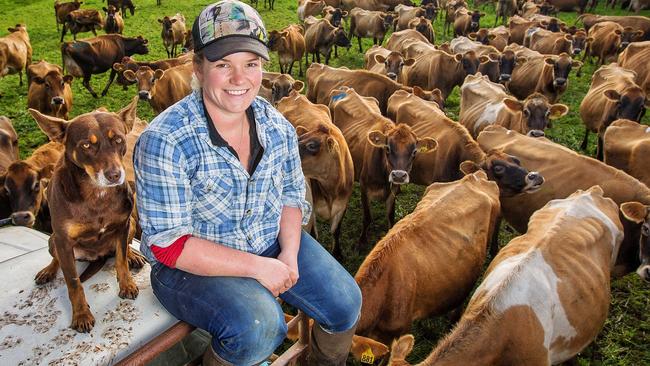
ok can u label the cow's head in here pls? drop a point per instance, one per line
(475, 21)
(340, 38)
(423, 26)
(276, 38)
(24, 185)
(138, 45)
(430, 96)
(430, 11)
(490, 66)
(167, 25)
(18, 28)
(334, 15)
(561, 68)
(400, 145)
(145, 77)
(281, 86)
(318, 149)
(189, 42)
(95, 142)
(469, 61)
(579, 41)
(637, 230)
(507, 172)
(110, 12)
(393, 63)
(127, 64)
(628, 35)
(536, 113)
(507, 63)
(54, 85)
(388, 19)
(553, 25)
(564, 44)
(482, 35)
(547, 9)
(8, 142)
(630, 104)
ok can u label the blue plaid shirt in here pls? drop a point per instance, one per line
(187, 185)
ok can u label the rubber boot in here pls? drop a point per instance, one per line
(329, 349)
(211, 358)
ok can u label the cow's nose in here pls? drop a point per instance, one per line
(144, 95)
(560, 81)
(534, 179)
(576, 51)
(23, 218)
(58, 100)
(505, 77)
(644, 273)
(392, 75)
(399, 176)
(113, 175)
(535, 133)
(624, 44)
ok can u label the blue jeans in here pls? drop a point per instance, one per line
(244, 319)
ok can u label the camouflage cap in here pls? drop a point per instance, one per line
(227, 27)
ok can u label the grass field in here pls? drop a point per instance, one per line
(625, 339)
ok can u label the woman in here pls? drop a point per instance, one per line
(220, 194)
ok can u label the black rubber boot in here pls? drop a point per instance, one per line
(211, 358)
(329, 349)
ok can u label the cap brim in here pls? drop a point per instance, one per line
(223, 47)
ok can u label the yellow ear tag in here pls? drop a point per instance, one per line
(368, 357)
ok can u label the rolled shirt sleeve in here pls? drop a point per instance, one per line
(163, 190)
(293, 191)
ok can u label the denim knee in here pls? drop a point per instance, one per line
(252, 337)
(346, 309)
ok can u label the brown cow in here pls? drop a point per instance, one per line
(409, 42)
(8, 143)
(123, 5)
(129, 63)
(276, 86)
(382, 151)
(606, 39)
(613, 94)
(450, 12)
(548, 75)
(334, 15)
(307, 8)
(24, 184)
(495, 62)
(82, 20)
(114, 22)
(162, 88)
(466, 22)
(15, 52)
(49, 91)
(484, 103)
(438, 69)
(326, 160)
(525, 311)
(173, 33)
(498, 37)
(61, 10)
(635, 58)
(322, 79)
(386, 62)
(407, 13)
(424, 26)
(518, 27)
(633, 21)
(504, 10)
(372, 5)
(566, 171)
(320, 37)
(369, 24)
(554, 43)
(289, 43)
(97, 55)
(626, 145)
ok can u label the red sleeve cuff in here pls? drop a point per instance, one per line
(170, 254)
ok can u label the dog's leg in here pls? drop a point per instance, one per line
(48, 273)
(136, 260)
(128, 288)
(82, 319)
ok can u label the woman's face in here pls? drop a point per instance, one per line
(230, 84)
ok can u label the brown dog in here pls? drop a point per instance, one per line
(90, 202)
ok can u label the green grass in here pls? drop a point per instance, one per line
(625, 339)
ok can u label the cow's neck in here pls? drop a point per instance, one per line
(129, 45)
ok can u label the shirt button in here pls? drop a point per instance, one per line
(248, 212)
(249, 236)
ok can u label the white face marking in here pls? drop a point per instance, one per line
(583, 206)
(101, 180)
(526, 279)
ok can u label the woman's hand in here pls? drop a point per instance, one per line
(274, 275)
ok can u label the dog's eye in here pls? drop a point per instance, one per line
(86, 145)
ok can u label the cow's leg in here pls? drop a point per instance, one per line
(306, 62)
(110, 81)
(290, 67)
(63, 32)
(300, 68)
(335, 228)
(327, 57)
(94, 32)
(583, 146)
(336, 51)
(86, 83)
(390, 206)
(599, 148)
(367, 219)
(20, 75)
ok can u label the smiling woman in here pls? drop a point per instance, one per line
(221, 198)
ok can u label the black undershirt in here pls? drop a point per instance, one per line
(256, 149)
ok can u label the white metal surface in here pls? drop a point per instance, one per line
(35, 320)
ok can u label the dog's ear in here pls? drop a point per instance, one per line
(128, 115)
(53, 127)
(46, 172)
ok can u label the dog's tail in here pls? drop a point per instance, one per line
(93, 267)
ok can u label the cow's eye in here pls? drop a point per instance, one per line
(47, 85)
(499, 169)
(36, 187)
(86, 145)
(526, 113)
(118, 140)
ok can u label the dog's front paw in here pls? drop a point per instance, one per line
(83, 322)
(45, 275)
(136, 260)
(129, 291)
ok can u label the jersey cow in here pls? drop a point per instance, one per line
(49, 90)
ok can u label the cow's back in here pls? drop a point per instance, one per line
(627, 147)
(172, 87)
(481, 103)
(635, 57)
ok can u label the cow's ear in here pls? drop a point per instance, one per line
(618, 32)
(483, 59)
(284, 34)
(46, 172)
(332, 145)
(568, 37)
(513, 104)
(38, 80)
(558, 110)
(634, 211)
(458, 57)
(298, 85)
(128, 114)
(521, 60)
(173, 20)
(491, 37)
(12, 29)
(129, 75)
(344, 14)
(409, 62)
(158, 74)
(68, 79)
(104, 9)
(301, 130)
(418, 92)
(427, 144)
(401, 348)
(472, 36)
(638, 34)
(267, 83)
(160, 21)
(53, 127)
(549, 61)
(612, 95)
(590, 39)
(468, 167)
(576, 64)
(377, 139)
(118, 67)
(482, 14)
(380, 59)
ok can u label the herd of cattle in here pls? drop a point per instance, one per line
(545, 295)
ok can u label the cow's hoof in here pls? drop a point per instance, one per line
(129, 291)
(83, 322)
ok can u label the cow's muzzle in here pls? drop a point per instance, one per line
(535, 133)
(576, 51)
(391, 75)
(23, 218)
(624, 45)
(534, 182)
(559, 82)
(144, 95)
(398, 177)
(58, 100)
(644, 272)
(503, 78)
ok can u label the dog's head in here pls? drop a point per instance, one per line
(95, 142)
